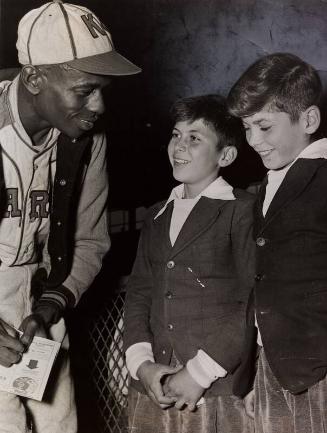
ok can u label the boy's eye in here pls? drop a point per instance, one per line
(174, 135)
(265, 128)
(194, 138)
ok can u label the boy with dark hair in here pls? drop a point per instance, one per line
(278, 100)
(186, 297)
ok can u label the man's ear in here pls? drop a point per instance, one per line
(311, 119)
(227, 156)
(32, 78)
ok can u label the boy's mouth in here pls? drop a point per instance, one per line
(264, 153)
(180, 161)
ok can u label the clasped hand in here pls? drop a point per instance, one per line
(168, 386)
(185, 389)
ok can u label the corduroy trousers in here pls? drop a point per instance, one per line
(221, 414)
(279, 411)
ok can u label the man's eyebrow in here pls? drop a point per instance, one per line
(85, 85)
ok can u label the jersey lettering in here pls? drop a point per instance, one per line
(12, 203)
(39, 204)
(39, 201)
(93, 25)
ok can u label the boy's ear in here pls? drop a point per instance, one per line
(32, 78)
(227, 156)
(311, 119)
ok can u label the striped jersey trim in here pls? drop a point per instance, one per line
(58, 298)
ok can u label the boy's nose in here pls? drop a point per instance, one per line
(181, 145)
(253, 138)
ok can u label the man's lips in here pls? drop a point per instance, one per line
(86, 123)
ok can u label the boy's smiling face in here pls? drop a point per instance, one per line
(194, 155)
(275, 138)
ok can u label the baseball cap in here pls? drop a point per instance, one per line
(60, 32)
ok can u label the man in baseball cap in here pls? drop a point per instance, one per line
(53, 232)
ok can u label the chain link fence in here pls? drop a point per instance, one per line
(109, 370)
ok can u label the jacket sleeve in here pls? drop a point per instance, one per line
(230, 329)
(243, 246)
(138, 293)
(91, 237)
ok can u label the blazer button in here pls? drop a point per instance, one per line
(170, 327)
(170, 264)
(261, 242)
(258, 277)
(62, 182)
(169, 295)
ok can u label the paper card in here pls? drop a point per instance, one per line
(30, 376)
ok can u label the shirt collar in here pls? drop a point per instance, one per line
(219, 189)
(315, 150)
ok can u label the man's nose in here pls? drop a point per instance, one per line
(96, 103)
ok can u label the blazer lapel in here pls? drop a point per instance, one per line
(161, 227)
(202, 216)
(257, 211)
(296, 179)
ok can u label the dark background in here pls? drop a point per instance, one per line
(185, 47)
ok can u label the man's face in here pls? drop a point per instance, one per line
(193, 154)
(274, 137)
(71, 100)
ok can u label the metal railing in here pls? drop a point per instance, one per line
(109, 370)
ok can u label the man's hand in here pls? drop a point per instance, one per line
(249, 404)
(151, 374)
(185, 388)
(37, 323)
(11, 348)
(32, 325)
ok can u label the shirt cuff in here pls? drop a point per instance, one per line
(204, 370)
(136, 355)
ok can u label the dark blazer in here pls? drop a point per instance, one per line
(194, 295)
(291, 277)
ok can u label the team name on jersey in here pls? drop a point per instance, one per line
(39, 201)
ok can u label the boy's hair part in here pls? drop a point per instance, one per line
(281, 81)
(212, 110)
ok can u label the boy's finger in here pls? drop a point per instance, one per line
(191, 407)
(167, 400)
(162, 398)
(167, 370)
(163, 402)
(180, 404)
